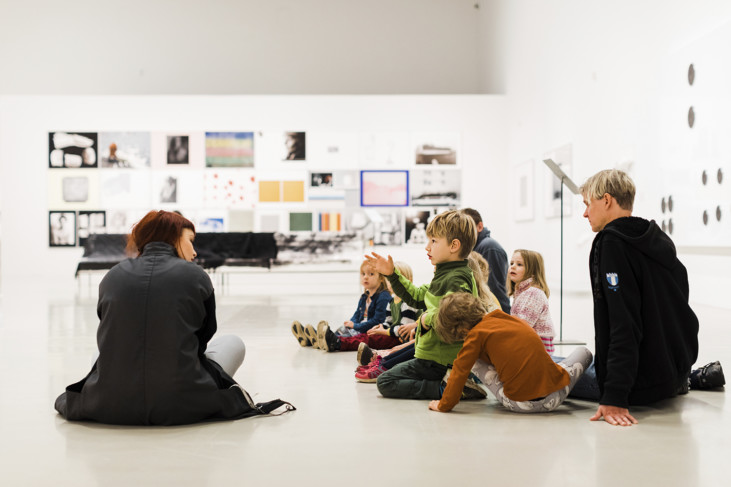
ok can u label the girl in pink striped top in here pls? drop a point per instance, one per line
(527, 284)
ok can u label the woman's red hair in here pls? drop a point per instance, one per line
(157, 226)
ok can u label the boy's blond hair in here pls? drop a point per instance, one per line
(481, 270)
(458, 314)
(534, 268)
(453, 225)
(404, 269)
(614, 182)
(381, 278)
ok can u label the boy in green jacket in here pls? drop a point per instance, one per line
(451, 237)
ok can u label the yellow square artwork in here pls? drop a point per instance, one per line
(294, 191)
(270, 191)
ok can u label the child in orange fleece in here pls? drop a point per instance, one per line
(510, 357)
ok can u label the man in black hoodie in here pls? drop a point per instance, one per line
(646, 335)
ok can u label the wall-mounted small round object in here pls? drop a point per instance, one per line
(670, 226)
(663, 205)
(691, 117)
(691, 75)
(719, 175)
(705, 217)
(718, 213)
(664, 226)
(670, 203)
(704, 177)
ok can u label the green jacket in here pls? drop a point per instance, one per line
(449, 277)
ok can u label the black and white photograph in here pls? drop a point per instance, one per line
(72, 150)
(124, 149)
(436, 149)
(62, 228)
(294, 146)
(415, 222)
(177, 149)
(436, 187)
(75, 189)
(169, 190)
(321, 179)
(90, 222)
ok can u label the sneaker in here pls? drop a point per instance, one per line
(365, 354)
(299, 333)
(326, 339)
(473, 388)
(707, 377)
(370, 375)
(311, 335)
(375, 361)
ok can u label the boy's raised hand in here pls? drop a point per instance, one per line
(380, 264)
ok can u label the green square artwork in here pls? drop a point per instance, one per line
(300, 222)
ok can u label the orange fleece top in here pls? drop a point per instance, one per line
(517, 352)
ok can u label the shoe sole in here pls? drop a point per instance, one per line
(366, 380)
(361, 350)
(311, 334)
(299, 333)
(322, 328)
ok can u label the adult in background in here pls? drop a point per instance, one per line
(495, 256)
(158, 363)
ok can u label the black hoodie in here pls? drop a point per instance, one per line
(646, 335)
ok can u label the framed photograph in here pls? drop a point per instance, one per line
(125, 149)
(294, 146)
(62, 228)
(415, 222)
(436, 149)
(436, 187)
(384, 188)
(177, 149)
(90, 222)
(229, 149)
(72, 150)
(523, 191)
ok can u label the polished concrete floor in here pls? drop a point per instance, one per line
(343, 432)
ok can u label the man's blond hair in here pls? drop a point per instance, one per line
(453, 225)
(613, 182)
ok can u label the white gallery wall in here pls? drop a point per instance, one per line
(611, 81)
(86, 47)
(25, 122)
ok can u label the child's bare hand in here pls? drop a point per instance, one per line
(405, 330)
(378, 330)
(381, 264)
(434, 406)
(348, 324)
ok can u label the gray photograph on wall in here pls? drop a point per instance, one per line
(75, 189)
(61, 228)
(90, 222)
(436, 187)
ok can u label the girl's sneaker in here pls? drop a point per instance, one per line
(370, 375)
(299, 333)
(375, 361)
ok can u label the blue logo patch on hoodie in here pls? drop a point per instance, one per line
(613, 280)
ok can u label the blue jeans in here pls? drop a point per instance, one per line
(587, 387)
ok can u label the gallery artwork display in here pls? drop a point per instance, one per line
(436, 187)
(384, 188)
(362, 184)
(436, 148)
(89, 222)
(62, 228)
(72, 150)
(131, 150)
(229, 149)
(523, 184)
